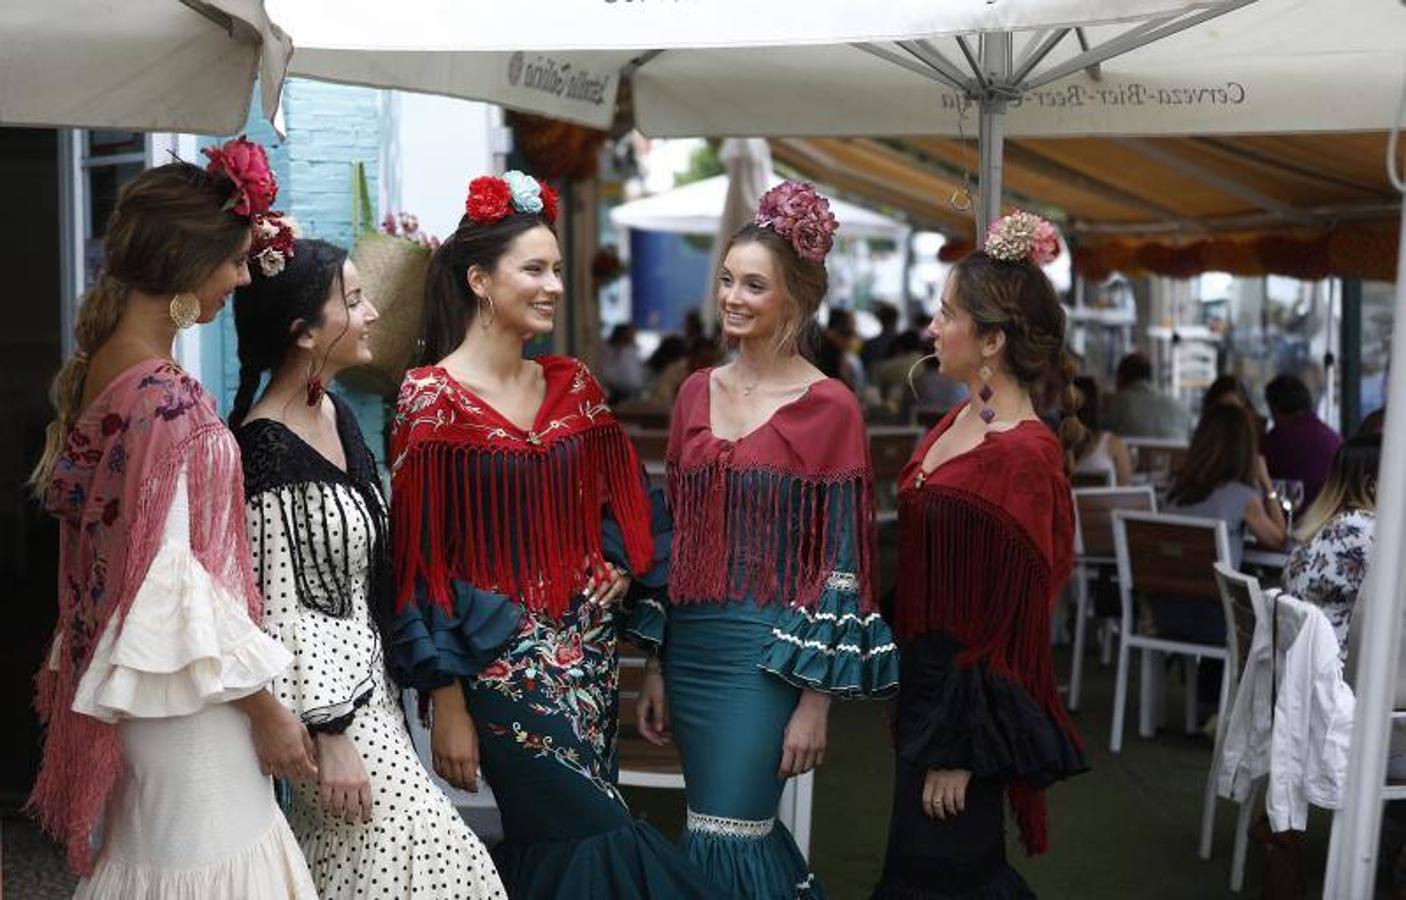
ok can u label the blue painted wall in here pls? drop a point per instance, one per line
(667, 279)
(330, 128)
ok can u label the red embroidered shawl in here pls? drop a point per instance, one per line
(774, 514)
(517, 512)
(111, 490)
(985, 546)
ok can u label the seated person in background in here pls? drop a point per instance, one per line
(1224, 477)
(902, 387)
(1138, 409)
(1299, 447)
(1100, 451)
(880, 347)
(1373, 423)
(621, 369)
(1228, 390)
(1335, 535)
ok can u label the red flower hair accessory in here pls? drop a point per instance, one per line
(247, 165)
(492, 199)
(798, 213)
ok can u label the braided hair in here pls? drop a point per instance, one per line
(1017, 298)
(273, 311)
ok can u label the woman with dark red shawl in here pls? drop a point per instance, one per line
(986, 531)
(770, 585)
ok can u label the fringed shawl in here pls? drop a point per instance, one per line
(985, 545)
(510, 511)
(111, 490)
(777, 514)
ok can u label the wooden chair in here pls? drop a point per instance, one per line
(643, 416)
(642, 764)
(1093, 551)
(1247, 604)
(890, 448)
(651, 445)
(1156, 456)
(1091, 479)
(1173, 557)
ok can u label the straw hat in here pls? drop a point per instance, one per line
(393, 277)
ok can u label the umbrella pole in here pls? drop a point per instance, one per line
(995, 70)
(1356, 828)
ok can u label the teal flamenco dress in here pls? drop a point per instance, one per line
(496, 534)
(770, 593)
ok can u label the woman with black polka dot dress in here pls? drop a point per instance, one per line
(372, 824)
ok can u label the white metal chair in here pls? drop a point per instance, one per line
(1248, 605)
(1093, 550)
(1169, 556)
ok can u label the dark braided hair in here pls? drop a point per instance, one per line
(267, 310)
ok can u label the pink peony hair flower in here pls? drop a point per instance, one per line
(1023, 237)
(796, 212)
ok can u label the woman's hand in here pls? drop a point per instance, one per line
(1261, 476)
(945, 792)
(282, 743)
(652, 709)
(453, 739)
(343, 787)
(609, 590)
(803, 747)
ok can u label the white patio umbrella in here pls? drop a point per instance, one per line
(151, 65)
(748, 165)
(697, 209)
(834, 67)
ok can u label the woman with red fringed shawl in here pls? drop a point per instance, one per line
(986, 531)
(771, 583)
(159, 733)
(519, 522)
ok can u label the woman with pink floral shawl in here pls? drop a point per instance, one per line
(161, 738)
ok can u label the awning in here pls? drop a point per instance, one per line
(1305, 205)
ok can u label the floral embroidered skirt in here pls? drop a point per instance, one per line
(546, 714)
(729, 717)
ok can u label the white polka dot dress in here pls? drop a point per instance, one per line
(318, 546)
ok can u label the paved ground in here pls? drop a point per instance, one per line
(1125, 830)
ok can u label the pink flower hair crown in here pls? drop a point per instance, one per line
(255, 188)
(1022, 237)
(796, 212)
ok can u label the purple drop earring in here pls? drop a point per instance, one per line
(985, 394)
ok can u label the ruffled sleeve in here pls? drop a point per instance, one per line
(184, 642)
(836, 645)
(431, 648)
(337, 656)
(966, 717)
(647, 603)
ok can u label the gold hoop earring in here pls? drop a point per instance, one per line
(486, 320)
(184, 310)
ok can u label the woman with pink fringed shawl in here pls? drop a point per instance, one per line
(160, 735)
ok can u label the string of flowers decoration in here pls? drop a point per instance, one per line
(246, 164)
(492, 199)
(406, 226)
(796, 212)
(1022, 237)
